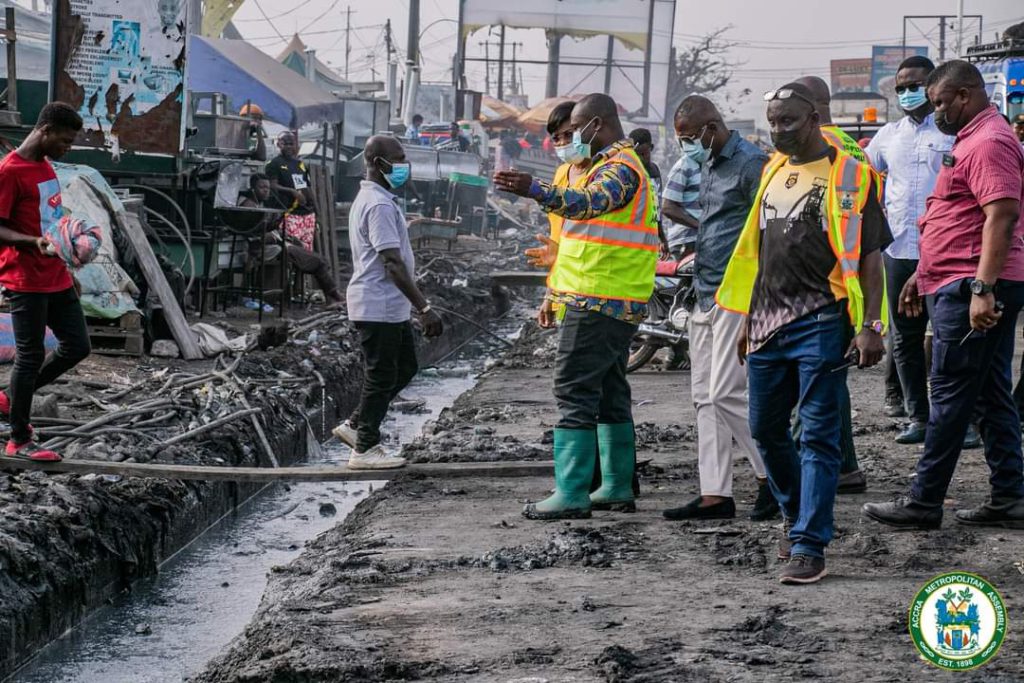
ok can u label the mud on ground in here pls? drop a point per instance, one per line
(444, 580)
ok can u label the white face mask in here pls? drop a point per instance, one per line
(569, 154)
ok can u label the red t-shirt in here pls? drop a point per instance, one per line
(986, 165)
(30, 204)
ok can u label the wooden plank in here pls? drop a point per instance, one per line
(520, 278)
(266, 474)
(183, 334)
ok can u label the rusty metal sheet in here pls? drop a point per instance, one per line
(121, 63)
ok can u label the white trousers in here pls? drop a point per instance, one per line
(719, 387)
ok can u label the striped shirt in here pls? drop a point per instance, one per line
(683, 188)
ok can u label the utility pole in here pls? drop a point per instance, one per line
(942, 39)
(392, 74)
(487, 66)
(412, 62)
(554, 56)
(348, 35)
(515, 84)
(959, 28)
(501, 64)
(608, 65)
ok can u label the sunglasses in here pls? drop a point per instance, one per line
(785, 94)
(911, 87)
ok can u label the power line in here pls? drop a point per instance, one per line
(260, 8)
(278, 16)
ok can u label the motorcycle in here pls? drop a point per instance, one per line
(668, 317)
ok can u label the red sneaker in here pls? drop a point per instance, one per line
(31, 452)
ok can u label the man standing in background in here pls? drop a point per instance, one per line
(731, 172)
(680, 196)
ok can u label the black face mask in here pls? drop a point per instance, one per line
(947, 125)
(789, 142)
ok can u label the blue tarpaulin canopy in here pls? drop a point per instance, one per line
(244, 73)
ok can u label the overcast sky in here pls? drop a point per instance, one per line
(777, 40)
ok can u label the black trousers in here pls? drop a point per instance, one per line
(907, 341)
(590, 370)
(389, 364)
(31, 314)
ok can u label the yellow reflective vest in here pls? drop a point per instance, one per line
(849, 186)
(613, 255)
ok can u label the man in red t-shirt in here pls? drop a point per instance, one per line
(34, 280)
(971, 273)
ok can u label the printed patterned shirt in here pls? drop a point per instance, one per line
(612, 188)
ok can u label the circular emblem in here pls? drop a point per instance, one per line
(957, 621)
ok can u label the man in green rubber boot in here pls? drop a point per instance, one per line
(603, 276)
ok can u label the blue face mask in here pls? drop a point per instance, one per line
(399, 174)
(695, 148)
(582, 150)
(569, 154)
(909, 101)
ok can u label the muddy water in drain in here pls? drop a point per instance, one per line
(170, 625)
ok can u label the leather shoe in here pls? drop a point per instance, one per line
(905, 513)
(972, 439)
(852, 482)
(894, 406)
(765, 507)
(693, 510)
(1000, 512)
(912, 434)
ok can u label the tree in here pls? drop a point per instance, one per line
(703, 68)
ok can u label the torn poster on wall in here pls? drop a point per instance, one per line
(121, 63)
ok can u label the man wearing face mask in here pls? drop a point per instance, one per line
(910, 151)
(603, 275)
(731, 168)
(381, 294)
(971, 274)
(679, 199)
(807, 265)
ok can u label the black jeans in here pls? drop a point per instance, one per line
(907, 341)
(590, 370)
(31, 314)
(389, 364)
(968, 374)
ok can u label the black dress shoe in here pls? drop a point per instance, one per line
(693, 510)
(913, 434)
(765, 507)
(905, 513)
(852, 482)
(972, 439)
(1008, 514)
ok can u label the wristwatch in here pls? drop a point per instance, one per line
(876, 326)
(979, 288)
(426, 309)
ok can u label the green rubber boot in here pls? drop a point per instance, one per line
(574, 468)
(616, 445)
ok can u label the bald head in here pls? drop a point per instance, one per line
(596, 117)
(697, 119)
(820, 95)
(380, 153)
(697, 110)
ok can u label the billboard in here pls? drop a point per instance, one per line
(851, 75)
(122, 65)
(641, 32)
(886, 60)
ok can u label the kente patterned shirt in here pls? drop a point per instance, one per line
(613, 187)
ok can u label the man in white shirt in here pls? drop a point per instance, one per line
(381, 296)
(910, 151)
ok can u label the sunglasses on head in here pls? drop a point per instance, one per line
(785, 94)
(912, 87)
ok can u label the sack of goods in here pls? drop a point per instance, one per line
(76, 241)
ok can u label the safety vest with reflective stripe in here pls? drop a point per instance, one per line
(613, 255)
(849, 186)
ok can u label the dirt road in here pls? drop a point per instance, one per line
(446, 581)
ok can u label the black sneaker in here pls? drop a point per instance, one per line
(894, 406)
(803, 569)
(913, 433)
(972, 439)
(765, 507)
(1008, 514)
(905, 513)
(852, 482)
(693, 510)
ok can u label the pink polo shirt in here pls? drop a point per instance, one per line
(987, 165)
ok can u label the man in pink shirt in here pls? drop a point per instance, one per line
(971, 275)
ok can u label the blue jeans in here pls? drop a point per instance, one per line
(976, 371)
(797, 369)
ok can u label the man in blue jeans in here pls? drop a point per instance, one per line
(807, 264)
(971, 274)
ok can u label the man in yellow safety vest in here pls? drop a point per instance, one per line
(807, 264)
(603, 275)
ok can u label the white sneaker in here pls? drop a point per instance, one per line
(346, 433)
(375, 459)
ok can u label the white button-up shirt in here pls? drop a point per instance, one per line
(910, 153)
